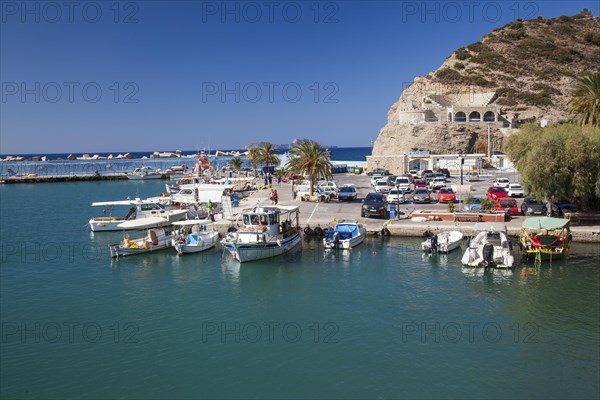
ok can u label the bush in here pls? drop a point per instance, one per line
(459, 65)
(488, 204)
(592, 37)
(462, 54)
(535, 98)
(448, 75)
(476, 47)
(451, 207)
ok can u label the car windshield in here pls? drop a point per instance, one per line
(446, 191)
(421, 191)
(346, 190)
(394, 191)
(374, 199)
(515, 186)
(498, 190)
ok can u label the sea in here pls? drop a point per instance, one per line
(57, 164)
(379, 321)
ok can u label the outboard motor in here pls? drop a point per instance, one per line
(434, 243)
(333, 242)
(488, 255)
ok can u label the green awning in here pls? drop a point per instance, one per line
(545, 223)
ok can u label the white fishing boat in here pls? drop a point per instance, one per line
(156, 238)
(491, 247)
(138, 209)
(442, 242)
(264, 232)
(345, 235)
(194, 237)
(144, 172)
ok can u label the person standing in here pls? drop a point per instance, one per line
(275, 197)
(210, 207)
(278, 180)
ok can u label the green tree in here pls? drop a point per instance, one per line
(267, 156)
(558, 161)
(310, 158)
(253, 156)
(236, 164)
(586, 103)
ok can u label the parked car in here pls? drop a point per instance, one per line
(472, 177)
(437, 183)
(446, 195)
(423, 172)
(531, 206)
(509, 203)
(440, 175)
(428, 176)
(347, 193)
(374, 205)
(410, 177)
(382, 186)
(473, 205)
(565, 206)
(378, 171)
(403, 183)
(503, 182)
(396, 196)
(323, 195)
(391, 180)
(444, 171)
(496, 192)
(414, 173)
(327, 184)
(420, 184)
(421, 196)
(375, 178)
(330, 190)
(294, 178)
(515, 190)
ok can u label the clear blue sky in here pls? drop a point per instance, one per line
(154, 75)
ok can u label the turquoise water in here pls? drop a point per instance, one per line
(381, 321)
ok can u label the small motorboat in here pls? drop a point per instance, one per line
(345, 235)
(193, 237)
(265, 232)
(145, 172)
(442, 242)
(545, 237)
(490, 248)
(156, 238)
(138, 209)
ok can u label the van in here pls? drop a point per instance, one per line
(403, 183)
(472, 177)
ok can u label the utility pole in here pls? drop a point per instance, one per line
(489, 145)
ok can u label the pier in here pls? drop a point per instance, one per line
(34, 178)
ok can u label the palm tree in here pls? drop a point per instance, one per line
(312, 159)
(236, 164)
(586, 103)
(267, 156)
(253, 156)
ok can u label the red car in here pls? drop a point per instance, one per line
(420, 183)
(446, 195)
(496, 192)
(507, 202)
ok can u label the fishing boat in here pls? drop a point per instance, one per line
(144, 172)
(489, 248)
(194, 237)
(345, 235)
(442, 242)
(156, 238)
(264, 232)
(138, 209)
(545, 237)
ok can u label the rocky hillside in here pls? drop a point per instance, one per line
(531, 65)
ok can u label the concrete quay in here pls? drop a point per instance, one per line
(324, 215)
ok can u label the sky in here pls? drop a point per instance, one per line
(114, 76)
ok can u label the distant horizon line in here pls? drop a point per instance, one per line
(153, 151)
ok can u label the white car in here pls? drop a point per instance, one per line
(330, 190)
(396, 196)
(437, 183)
(375, 178)
(382, 186)
(403, 183)
(515, 190)
(326, 184)
(504, 182)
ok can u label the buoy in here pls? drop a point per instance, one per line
(523, 275)
(374, 253)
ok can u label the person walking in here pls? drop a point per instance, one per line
(278, 180)
(275, 197)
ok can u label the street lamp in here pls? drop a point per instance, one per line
(462, 162)
(397, 200)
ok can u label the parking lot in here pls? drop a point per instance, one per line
(323, 213)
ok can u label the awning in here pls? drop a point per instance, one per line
(545, 223)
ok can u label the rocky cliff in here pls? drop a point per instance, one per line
(524, 71)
